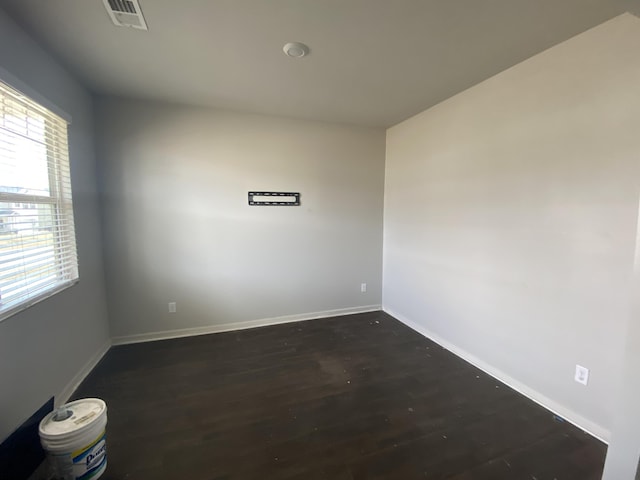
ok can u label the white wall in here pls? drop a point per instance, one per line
(510, 220)
(178, 228)
(624, 448)
(44, 347)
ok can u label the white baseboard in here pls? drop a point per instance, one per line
(67, 391)
(579, 421)
(228, 327)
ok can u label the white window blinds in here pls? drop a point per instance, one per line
(37, 237)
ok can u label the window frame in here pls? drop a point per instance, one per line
(55, 198)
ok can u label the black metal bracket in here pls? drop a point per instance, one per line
(275, 199)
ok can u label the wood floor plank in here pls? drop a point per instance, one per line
(346, 398)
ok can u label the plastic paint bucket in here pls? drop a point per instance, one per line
(75, 441)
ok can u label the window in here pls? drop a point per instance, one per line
(37, 237)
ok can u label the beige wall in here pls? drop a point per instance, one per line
(44, 347)
(510, 220)
(178, 228)
(624, 449)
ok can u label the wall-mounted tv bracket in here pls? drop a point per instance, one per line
(274, 199)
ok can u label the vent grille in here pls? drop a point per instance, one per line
(124, 6)
(126, 13)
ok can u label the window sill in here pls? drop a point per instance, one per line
(10, 312)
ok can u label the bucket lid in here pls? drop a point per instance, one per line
(72, 417)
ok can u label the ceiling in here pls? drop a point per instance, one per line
(372, 62)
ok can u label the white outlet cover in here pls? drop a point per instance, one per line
(363, 287)
(582, 375)
(172, 307)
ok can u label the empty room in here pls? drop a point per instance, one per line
(312, 239)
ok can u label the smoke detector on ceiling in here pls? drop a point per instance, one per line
(126, 13)
(295, 49)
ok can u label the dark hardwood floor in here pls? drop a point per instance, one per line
(347, 398)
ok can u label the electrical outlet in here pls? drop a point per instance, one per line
(582, 374)
(363, 287)
(172, 307)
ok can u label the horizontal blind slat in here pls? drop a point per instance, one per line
(37, 234)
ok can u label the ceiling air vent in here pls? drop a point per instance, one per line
(126, 13)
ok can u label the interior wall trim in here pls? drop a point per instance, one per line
(592, 428)
(229, 327)
(63, 396)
